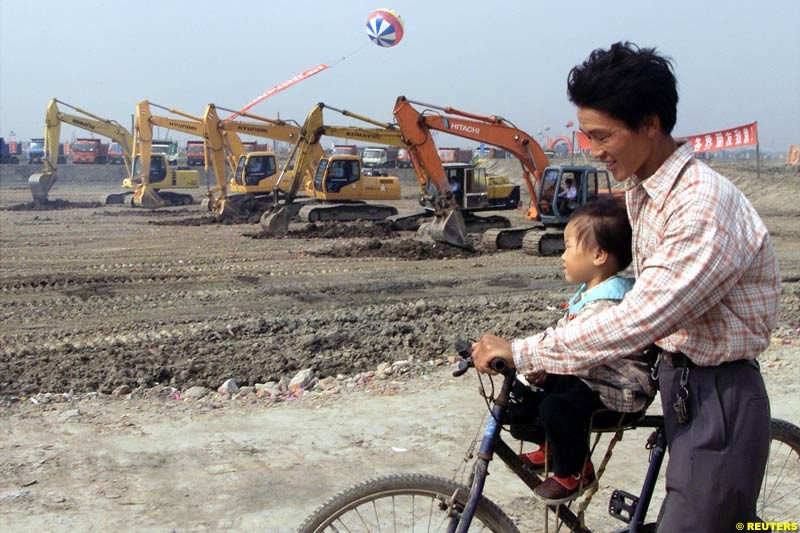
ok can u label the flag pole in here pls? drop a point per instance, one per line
(572, 154)
(758, 155)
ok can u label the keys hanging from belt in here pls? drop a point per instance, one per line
(681, 405)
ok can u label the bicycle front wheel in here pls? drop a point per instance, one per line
(779, 499)
(408, 502)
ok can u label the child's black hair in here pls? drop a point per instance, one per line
(604, 223)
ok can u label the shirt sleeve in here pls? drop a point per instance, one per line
(696, 263)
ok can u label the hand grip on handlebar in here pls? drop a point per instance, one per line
(464, 349)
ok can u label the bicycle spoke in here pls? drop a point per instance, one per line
(377, 518)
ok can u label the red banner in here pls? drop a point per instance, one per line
(724, 139)
(793, 157)
(583, 141)
(281, 86)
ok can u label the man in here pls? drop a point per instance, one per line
(570, 192)
(707, 293)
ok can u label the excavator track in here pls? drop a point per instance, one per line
(176, 198)
(543, 243)
(122, 198)
(478, 224)
(505, 238)
(346, 212)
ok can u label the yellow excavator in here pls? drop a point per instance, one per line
(249, 191)
(41, 183)
(152, 173)
(339, 191)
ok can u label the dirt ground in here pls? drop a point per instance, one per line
(110, 315)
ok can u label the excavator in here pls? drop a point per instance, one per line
(41, 183)
(249, 191)
(339, 190)
(152, 173)
(546, 208)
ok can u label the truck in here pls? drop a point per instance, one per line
(379, 157)
(9, 152)
(168, 148)
(195, 153)
(344, 149)
(92, 151)
(116, 156)
(455, 155)
(485, 153)
(404, 158)
(35, 152)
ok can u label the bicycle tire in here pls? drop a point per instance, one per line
(357, 508)
(780, 488)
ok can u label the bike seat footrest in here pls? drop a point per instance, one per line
(622, 505)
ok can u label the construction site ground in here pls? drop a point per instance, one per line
(109, 315)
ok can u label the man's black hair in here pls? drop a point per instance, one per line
(604, 223)
(627, 82)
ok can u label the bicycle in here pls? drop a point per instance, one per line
(421, 502)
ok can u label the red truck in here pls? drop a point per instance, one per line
(115, 154)
(195, 153)
(90, 151)
(345, 149)
(455, 155)
(404, 159)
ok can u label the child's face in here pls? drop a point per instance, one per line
(578, 261)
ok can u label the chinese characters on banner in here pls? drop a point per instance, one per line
(724, 139)
(793, 157)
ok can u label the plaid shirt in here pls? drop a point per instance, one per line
(624, 385)
(707, 279)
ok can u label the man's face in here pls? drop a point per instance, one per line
(624, 151)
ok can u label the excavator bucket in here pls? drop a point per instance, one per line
(276, 222)
(40, 185)
(447, 228)
(147, 197)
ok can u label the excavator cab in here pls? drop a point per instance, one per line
(158, 169)
(556, 204)
(254, 167)
(334, 174)
(340, 178)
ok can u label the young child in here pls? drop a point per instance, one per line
(598, 247)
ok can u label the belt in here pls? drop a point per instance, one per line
(676, 360)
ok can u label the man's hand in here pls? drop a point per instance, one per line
(490, 347)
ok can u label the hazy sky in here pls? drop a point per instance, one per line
(736, 61)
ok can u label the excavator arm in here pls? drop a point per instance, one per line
(144, 193)
(417, 127)
(41, 183)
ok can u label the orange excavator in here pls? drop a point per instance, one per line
(451, 204)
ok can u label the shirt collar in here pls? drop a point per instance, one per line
(661, 182)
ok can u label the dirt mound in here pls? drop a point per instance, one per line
(407, 249)
(337, 230)
(51, 205)
(137, 212)
(203, 220)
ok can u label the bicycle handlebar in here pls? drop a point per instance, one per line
(464, 349)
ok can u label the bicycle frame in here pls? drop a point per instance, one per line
(492, 444)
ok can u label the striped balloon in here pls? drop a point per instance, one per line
(385, 27)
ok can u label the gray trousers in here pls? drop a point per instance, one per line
(717, 459)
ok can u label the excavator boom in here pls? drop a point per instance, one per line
(41, 183)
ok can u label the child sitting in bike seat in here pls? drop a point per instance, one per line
(558, 413)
